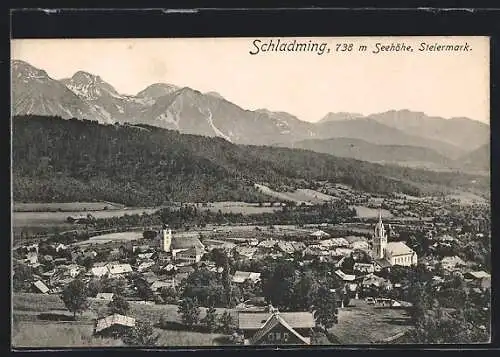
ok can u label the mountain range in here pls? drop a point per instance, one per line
(398, 137)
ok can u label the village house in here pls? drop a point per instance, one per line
(334, 243)
(99, 271)
(275, 328)
(240, 277)
(245, 252)
(480, 279)
(40, 287)
(104, 296)
(119, 269)
(145, 265)
(363, 268)
(319, 234)
(159, 284)
(452, 263)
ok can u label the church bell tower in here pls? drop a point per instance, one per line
(379, 239)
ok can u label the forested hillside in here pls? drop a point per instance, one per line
(78, 160)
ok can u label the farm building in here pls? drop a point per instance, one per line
(113, 324)
(275, 328)
(104, 296)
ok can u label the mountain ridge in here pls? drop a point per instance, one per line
(190, 111)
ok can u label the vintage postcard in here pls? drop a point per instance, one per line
(216, 192)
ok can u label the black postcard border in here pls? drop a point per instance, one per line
(203, 22)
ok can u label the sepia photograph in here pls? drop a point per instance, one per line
(284, 191)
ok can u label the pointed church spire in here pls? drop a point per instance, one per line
(380, 215)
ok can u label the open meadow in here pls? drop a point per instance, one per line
(360, 323)
(27, 219)
(298, 196)
(66, 206)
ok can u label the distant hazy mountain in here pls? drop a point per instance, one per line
(478, 159)
(34, 92)
(377, 133)
(339, 116)
(88, 96)
(462, 132)
(363, 150)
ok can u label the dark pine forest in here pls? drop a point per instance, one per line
(56, 160)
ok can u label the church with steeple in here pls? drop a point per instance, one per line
(390, 253)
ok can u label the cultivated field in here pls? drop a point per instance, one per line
(66, 206)
(366, 212)
(299, 195)
(116, 237)
(240, 207)
(31, 219)
(468, 198)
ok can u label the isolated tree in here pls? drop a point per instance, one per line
(226, 322)
(94, 287)
(118, 305)
(189, 311)
(210, 319)
(75, 297)
(169, 295)
(278, 287)
(325, 308)
(142, 334)
(23, 274)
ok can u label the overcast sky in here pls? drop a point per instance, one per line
(308, 85)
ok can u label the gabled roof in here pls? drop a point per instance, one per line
(398, 248)
(104, 296)
(479, 274)
(115, 319)
(344, 276)
(99, 271)
(241, 276)
(185, 242)
(274, 320)
(119, 268)
(41, 286)
(383, 263)
(255, 320)
(320, 233)
(193, 251)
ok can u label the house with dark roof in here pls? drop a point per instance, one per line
(275, 328)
